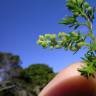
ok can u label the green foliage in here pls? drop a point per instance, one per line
(10, 64)
(17, 81)
(40, 74)
(90, 61)
(6, 93)
(74, 40)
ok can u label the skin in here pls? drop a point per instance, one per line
(69, 82)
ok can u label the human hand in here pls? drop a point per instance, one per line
(69, 82)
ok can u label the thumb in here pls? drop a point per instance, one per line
(69, 82)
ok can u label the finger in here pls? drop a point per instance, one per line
(69, 81)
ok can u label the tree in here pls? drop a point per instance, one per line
(40, 75)
(75, 40)
(10, 68)
(16, 81)
(9, 65)
(10, 73)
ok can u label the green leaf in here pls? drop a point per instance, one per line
(67, 20)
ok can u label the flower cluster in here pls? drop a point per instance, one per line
(75, 40)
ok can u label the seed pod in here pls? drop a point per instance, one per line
(67, 38)
(81, 44)
(80, 1)
(63, 34)
(39, 42)
(59, 35)
(53, 36)
(89, 9)
(73, 48)
(69, 5)
(47, 36)
(86, 5)
(44, 44)
(74, 34)
(41, 37)
(76, 14)
(51, 47)
(73, 1)
(57, 46)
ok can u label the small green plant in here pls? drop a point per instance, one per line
(75, 40)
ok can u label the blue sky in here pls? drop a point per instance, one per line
(22, 21)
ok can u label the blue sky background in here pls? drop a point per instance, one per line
(22, 21)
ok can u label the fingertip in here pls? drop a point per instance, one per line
(62, 76)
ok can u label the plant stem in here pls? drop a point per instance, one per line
(89, 25)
